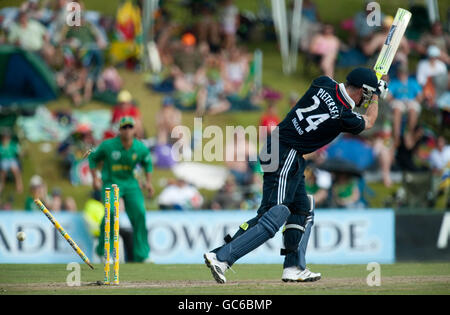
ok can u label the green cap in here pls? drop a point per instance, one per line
(126, 121)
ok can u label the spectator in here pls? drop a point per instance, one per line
(126, 108)
(238, 157)
(318, 184)
(405, 97)
(86, 35)
(372, 47)
(208, 28)
(229, 197)
(431, 66)
(178, 195)
(187, 65)
(167, 119)
(384, 150)
(428, 71)
(439, 163)
(346, 193)
(409, 144)
(31, 35)
(38, 190)
(361, 28)
(211, 98)
(109, 80)
(229, 18)
(58, 203)
(310, 23)
(72, 79)
(440, 156)
(270, 119)
(9, 160)
(325, 46)
(74, 147)
(437, 38)
(235, 71)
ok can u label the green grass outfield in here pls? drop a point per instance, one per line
(400, 278)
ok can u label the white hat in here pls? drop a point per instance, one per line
(433, 51)
(36, 180)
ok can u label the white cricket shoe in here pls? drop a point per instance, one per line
(295, 274)
(217, 267)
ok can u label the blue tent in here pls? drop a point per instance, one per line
(352, 150)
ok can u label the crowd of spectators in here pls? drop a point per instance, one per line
(206, 69)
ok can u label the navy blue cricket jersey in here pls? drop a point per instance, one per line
(319, 117)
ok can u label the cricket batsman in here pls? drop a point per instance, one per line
(324, 111)
(119, 156)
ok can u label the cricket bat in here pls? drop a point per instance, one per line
(392, 42)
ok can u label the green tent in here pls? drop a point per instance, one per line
(25, 80)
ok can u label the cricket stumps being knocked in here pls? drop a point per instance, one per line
(58, 226)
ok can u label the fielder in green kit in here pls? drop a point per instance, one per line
(120, 156)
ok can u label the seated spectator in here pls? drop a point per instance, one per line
(109, 80)
(187, 65)
(436, 37)
(325, 45)
(384, 150)
(38, 190)
(31, 35)
(318, 184)
(9, 160)
(270, 119)
(178, 195)
(229, 197)
(346, 192)
(238, 158)
(87, 41)
(361, 29)
(211, 98)
(372, 47)
(439, 163)
(86, 35)
(405, 97)
(58, 203)
(208, 28)
(409, 144)
(167, 119)
(229, 19)
(429, 70)
(440, 156)
(73, 79)
(235, 71)
(75, 146)
(126, 108)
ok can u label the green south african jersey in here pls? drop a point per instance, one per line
(119, 164)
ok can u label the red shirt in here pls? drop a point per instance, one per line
(269, 121)
(119, 113)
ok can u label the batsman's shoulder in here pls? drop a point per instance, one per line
(324, 81)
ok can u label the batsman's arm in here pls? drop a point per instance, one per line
(372, 113)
